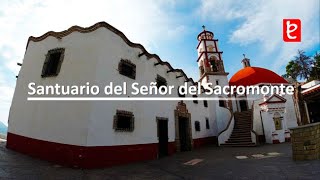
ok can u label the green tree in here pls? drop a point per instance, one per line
(315, 71)
(300, 66)
(292, 70)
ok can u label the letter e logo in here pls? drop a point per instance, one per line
(291, 30)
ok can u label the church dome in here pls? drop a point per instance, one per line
(255, 75)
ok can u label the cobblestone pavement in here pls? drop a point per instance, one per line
(263, 162)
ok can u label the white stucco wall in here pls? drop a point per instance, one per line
(93, 57)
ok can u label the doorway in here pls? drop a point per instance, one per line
(183, 134)
(163, 137)
(243, 105)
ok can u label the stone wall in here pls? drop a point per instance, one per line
(306, 142)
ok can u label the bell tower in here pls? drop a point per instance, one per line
(210, 61)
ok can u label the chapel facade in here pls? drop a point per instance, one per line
(92, 134)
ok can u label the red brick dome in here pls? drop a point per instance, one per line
(255, 75)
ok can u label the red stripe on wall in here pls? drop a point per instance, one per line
(81, 156)
(91, 156)
(205, 141)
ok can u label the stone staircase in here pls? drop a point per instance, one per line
(241, 134)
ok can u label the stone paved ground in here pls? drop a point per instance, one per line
(204, 163)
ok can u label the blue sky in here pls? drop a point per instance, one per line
(166, 27)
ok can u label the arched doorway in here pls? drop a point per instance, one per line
(183, 128)
(243, 105)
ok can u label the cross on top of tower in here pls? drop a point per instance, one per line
(245, 61)
(204, 27)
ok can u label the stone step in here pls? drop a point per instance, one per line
(239, 144)
(242, 120)
(240, 115)
(248, 124)
(241, 130)
(243, 113)
(239, 141)
(239, 138)
(243, 124)
(242, 127)
(240, 135)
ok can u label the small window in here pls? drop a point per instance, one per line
(217, 82)
(127, 68)
(52, 63)
(123, 121)
(161, 81)
(205, 103)
(195, 101)
(207, 123)
(222, 103)
(197, 125)
(181, 95)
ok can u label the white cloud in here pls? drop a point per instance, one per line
(5, 98)
(143, 21)
(261, 23)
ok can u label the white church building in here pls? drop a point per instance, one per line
(90, 134)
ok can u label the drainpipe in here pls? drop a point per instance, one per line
(262, 125)
(236, 102)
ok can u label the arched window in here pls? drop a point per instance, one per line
(214, 63)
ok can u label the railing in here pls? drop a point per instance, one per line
(254, 134)
(224, 135)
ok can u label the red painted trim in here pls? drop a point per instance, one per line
(276, 141)
(206, 60)
(208, 52)
(312, 91)
(200, 56)
(81, 156)
(271, 102)
(91, 156)
(288, 139)
(205, 141)
(215, 52)
(172, 148)
(219, 53)
(206, 40)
